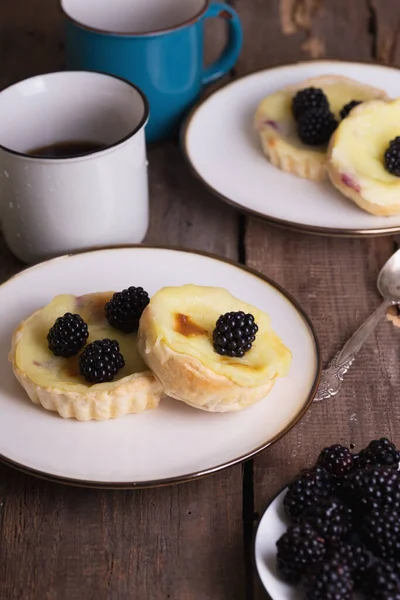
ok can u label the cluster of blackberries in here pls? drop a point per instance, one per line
(101, 360)
(345, 532)
(315, 121)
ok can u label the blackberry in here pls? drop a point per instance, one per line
(380, 531)
(330, 518)
(234, 334)
(307, 490)
(395, 564)
(68, 335)
(379, 452)
(348, 107)
(382, 582)
(125, 308)
(354, 556)
(307, 99)
(331, 581)
(337, 460)
(373, 488)
(100, 361)
(392, 157)
(298, 549)
(316, 126)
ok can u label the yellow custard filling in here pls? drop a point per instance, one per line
(184, 319)
(359, 148)
(34, 358)
(275, 111)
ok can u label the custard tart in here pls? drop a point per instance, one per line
(56, 383)
(296, 140)
(364, 157)
(209, 349)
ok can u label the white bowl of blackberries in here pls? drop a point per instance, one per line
(344, 533)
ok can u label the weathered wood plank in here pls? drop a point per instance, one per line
(285, 31)
(183, 213)
(65, 543)
(334, 279)
(385, 22)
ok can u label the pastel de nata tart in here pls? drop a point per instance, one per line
(56, 382)
(179, 341)
(295, 124)
(364, 157)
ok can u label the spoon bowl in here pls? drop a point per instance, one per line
(389, 279)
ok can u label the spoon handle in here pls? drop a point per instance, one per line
(332, 376)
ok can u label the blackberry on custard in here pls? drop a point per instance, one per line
(100, 361)
(307, 99)
(298, 549)
(125, 308)
(234, 334)
(347, 108)
(316, 126)
(392, 157)
(68, 335)
(306, 491)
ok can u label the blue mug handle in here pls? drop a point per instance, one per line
(235, 40)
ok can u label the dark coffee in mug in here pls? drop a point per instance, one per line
(66, 149)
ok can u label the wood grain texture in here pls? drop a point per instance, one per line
(61, 543)
(285, 31)
(385, 21)
(333, 279)
(187, 542)
(183, 212)
(31, 39)
(182, 543)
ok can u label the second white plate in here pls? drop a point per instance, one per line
(223, 150)
(272, 526)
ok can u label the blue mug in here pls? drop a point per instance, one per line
(156, 44)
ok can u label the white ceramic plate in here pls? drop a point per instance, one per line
(271, 527)
(223, 149)
(175, 442)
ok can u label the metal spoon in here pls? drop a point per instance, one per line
(389, 288)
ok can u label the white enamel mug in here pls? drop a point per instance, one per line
(51, 206)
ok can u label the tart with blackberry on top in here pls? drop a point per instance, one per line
(209, 349)
(296, 123)
(78, 356)
(364, 157)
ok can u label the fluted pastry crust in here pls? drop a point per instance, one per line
(131, 394)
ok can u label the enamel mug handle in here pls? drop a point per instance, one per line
(232, 50)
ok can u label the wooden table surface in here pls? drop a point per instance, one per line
(195, 541)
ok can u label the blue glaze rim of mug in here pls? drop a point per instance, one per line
(155, 32)
(54, 159)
